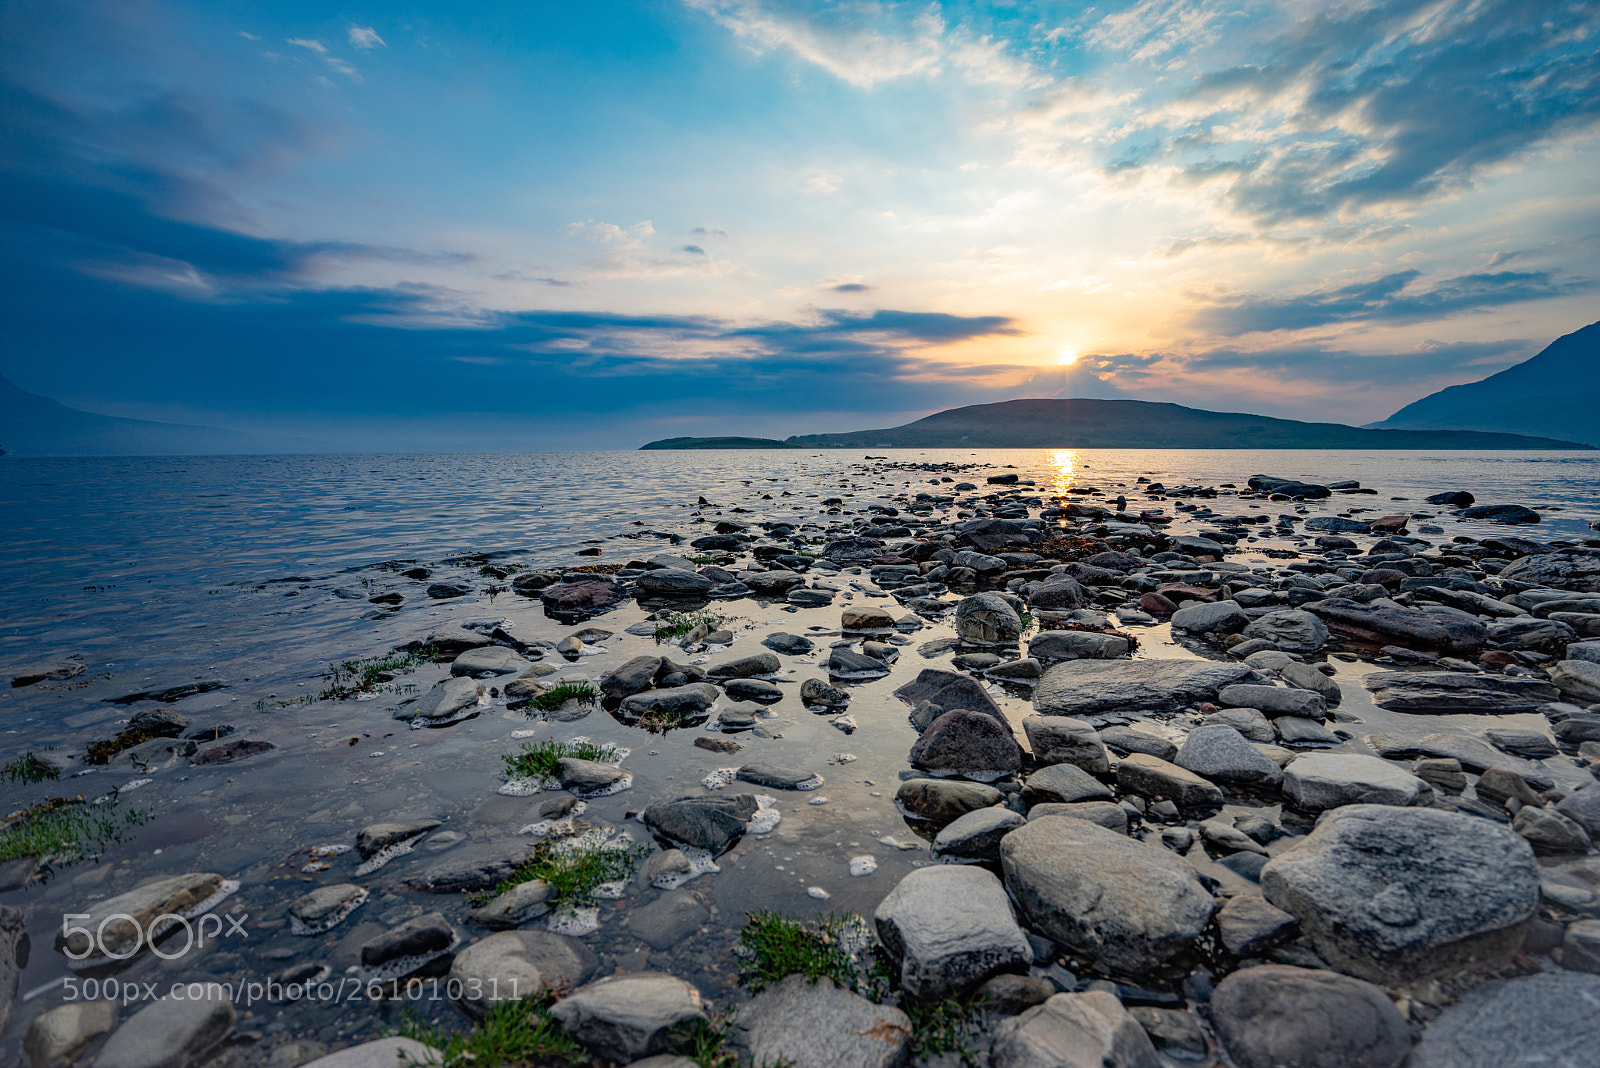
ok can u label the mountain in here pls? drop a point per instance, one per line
(1556, 392)
(1132, 424)
(31, 425)
(716, 443)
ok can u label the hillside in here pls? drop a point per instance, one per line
(1556, 392)
(1131, 424)
(716, 443)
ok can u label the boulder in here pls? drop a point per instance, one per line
(848, 664)
(710, 823)
(1064, 740)
(376, 837)
(1249, 924)
(1578, 681)
(676, 701)
(670, 582)
(488, 660)
(1087, 1030)
(1307, 677)
(1063, 784)
(976, 835)
(1318, 781)
(1077, 645)
(631, 677)
(1398, 895)
(949, 690)
(583, 597)
(1218, 752)
(1292, 630)
(1221, 617)
(1582, 807)
(1131, 739)
(969, 744)
(623, 1018)
(1452, 692)
(1091, 687)
(448, 701)
(1274, 1015)
(818, 1025)
(943, 800)
(55, 1036)
(1450, 634)
(1549, 832)
(866, 618)
(1129, 906)
(145, 903)
(521, 904)
(172, 1032)
(1274, 700)
(1111, 816)
(987, 619)
(1547, 1019)
(1249, 722)
(1153, 777)
(1577, 570)
(1058, 591)
(950, 928)
(745, 667)
(512, 965)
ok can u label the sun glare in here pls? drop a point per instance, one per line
(1067, 357)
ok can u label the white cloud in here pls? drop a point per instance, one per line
(321, 50)
(309, 44)
(366, 37)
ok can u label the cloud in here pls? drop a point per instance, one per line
(702, 231)
(851, 287)
(320, 50)
(365, 37)
(1399, 297)
(864, 44)
(693, 250)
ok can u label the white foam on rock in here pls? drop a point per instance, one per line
(328, 922)
(767, 816)
(401, 967)
(700, 863)
(720, 778)
(863, 865)
(574, 923)
(386, 854)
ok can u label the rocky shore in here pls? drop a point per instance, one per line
(1266, 773)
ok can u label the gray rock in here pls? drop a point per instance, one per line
(1582, 806)
(1217, 751)
(745, 667)
(669, 582)
(521, 904)
(709, 823)
(475, 866)
(454, 638)
(1396, 895)
(1058, 591)
(631, 677)
(669, 919)
(1249, 722)
(54, 1037)
(1171, 1029)
(624, 1017)
(1526, 633)
(1064, 740)
(1577, 570)
(970, 744)
(1008, 995)
(488, 659)
(1221, 617)
(1307, 677)
(788, 644)
(1153, 777)
(1537, 1021)
(943, 800)
(848, 664)
(1063, 784)
(676, 701)
(758, 690)
(1077, 645)
(1293, 730)
(818, 692)
(1451, 634)
(151, 899)
(1449, 692)
(1275, 1015)
(1089, 687)
(384, 1053)
(1130, 906)
(171, 1033)
(1589, 651)
(776, 777)
(586, 776)
(449, 700)
(818, 1025)
(1088, 1030)
(15, 949)
(1548, 831)
(325, 907)
(987, 619)
(949, 690)
(512, 965)
(950, 928)
(1578, 681)
(1107, 814)
(1249, 924)
(975, 836)
(1134, 740)
(1532, 745)
(1275, 701)
(1580, 947)
(422, 936)
(379, 836)
(1292, 630)
(1318, 781)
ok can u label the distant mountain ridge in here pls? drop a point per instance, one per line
(1556, 392)
(31, 425)
(1134, 424)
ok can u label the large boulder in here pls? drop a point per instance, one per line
(175, 1032)
(1396, 895)
(1577, 570)
(1057, 591)
(517, 964)
(1274, 1016)
(949, 690)
(1546, 1020)
(710, 823)
(1452, 634)
(1087, 1030)
(968, 744)
(583, 597)
(1578, 681)
(818, 1025)
(1221, 617)
(987, 619)
(1077, 645)
(1064, 740)
(942, 800)
(1093, 687)
(950, 929)
(1130, 907)
(1318, 781)
(1439, 692)
(1217, 751)
(623, 1018)
(1292, 630)
(152, 899)
(1150, 776)
(448, 701)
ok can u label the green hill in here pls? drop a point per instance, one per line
(718, 443)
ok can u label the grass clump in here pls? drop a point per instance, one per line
(538, 761)
(573, 869)
(65, 829)
(705, 1042)
(678, 624)
(944, 1027)
(774, 946)
(366, 675)
(582, 692)
(29, 769)
(518, 1032)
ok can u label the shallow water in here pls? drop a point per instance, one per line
(161, 571)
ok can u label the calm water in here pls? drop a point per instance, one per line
(160, 571)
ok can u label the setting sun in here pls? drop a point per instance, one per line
(1067, 356)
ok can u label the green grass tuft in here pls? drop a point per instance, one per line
(369, 674)
(680, 623)
(582, 692)
(510, 1033)
(29, 769)
(66, 830)
(944, 1027)
(538, 761)
(775, 946)
(705, 1042)
(572, 870)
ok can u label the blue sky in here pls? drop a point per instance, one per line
(546, 224)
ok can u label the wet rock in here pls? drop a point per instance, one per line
(384, 1053)
(745, 667)
(115, 936)
(1307, 677)
(228, 752)
(1396, 895)
(379, 836)
(1134, 740)
(1089, 687)
(1153, 777)
(1171, 1029)
(669, 919)
(773, 583)
(1447, 692)
(453, 639)
(776, 777)
(866, 618)
(1274, 700)
(1063, 784)
(51, 671)
(965, 743)
(622, 1018)
(521, 904)
(586, 776)
(1500, 513)
(819, 1025)
(517, 964)
(1218, 752)
(987, 619)
(1064, 740)
(819, 692)
(678, 702)
(1107, 814)
(1077, 645)
(424, 935)
(1020, 670)
(950, 928)
(488, 659)
(1130, 906)
(1318, 781)
(1452, 499)
(1249, 722)
(1275, 1015)
(1453, 635)
(631, 677)
(976, 835)
(1249, 925)
(1008, 995)
(476, 866)
(788, 644)
(847, 664)
(326, 906)
(1578, 681)
(54, 1037)
(1576, 570)
(583, 597)
(1531, 745)
(949, 690)
(1088, 1030)
(1525, 632)
(1058, 591)
(1221, 617)
(446, 701)
(1549, 831)
(171, 1033)
(942, 800)
(1545, 1019)
(1582, 806)
(709, 823)
(669, 583)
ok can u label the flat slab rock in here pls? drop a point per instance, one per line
(818, 1025)
(1443, 692)
(1538, 1021)
(1093, 687)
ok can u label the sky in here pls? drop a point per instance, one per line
(547, 225)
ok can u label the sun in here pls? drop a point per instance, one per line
(1067, 356)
